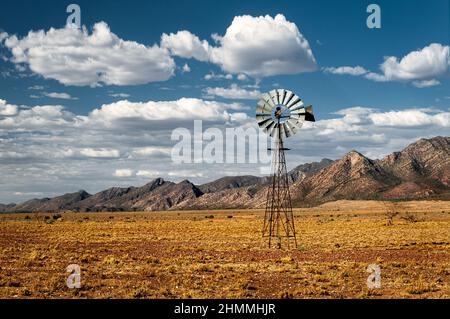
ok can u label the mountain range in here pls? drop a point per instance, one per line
(420, 171)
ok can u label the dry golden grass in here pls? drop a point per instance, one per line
(191, 255)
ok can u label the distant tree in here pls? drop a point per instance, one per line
(392, 210)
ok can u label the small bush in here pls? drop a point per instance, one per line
(205, 268)
(56, 216)
(390, 218)
(26, 293)
(286, 295)
(152, 260)
(410, 218)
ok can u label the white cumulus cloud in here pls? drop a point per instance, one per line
(431, 61)
(357, 70)
(124, 172)
(213, 76)
(151, 151)
(148, 173)
(411, 118)
(242, 77)
(421, 67)
(7, 109)
(186, 45)
(48, 116)
(255, 46)
(63, 96)
(258, 46)
(263, 46)
(233, 92)
(121, 95)
(426, 83)
(3, 36)
(182, 109)
(100, 153)
(186, 68)
(36, 87)
(75, 57)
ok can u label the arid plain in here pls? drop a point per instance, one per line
(220, 254)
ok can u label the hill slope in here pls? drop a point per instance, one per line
(421, 170)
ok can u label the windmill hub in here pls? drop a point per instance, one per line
(280, 113)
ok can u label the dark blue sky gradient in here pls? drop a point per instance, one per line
(336, 31)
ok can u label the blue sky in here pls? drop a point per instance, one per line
(339, 27)
(369, 89)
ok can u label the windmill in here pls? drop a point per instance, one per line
(280, 113)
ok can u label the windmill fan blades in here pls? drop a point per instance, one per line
(263, 107)
(296, 124)
(296, 106)
(264, 123)
(286, 130)
(275, 97)
(293, 102)
(270, 125)
(291, 124)
(289, 98)
(300, 110)
(268, 100)
(273, 130)
(281, 113)
(283, 96)
(262, 116)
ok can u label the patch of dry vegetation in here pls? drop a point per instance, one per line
(191, 255)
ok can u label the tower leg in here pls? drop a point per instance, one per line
(279, 218)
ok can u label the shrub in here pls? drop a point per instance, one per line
(390, 218)
(410, 218)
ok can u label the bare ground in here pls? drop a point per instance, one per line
(191, 255)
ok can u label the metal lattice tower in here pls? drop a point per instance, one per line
(280, 113)
(278, 218)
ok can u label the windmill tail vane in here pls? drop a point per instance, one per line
(280, 113)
